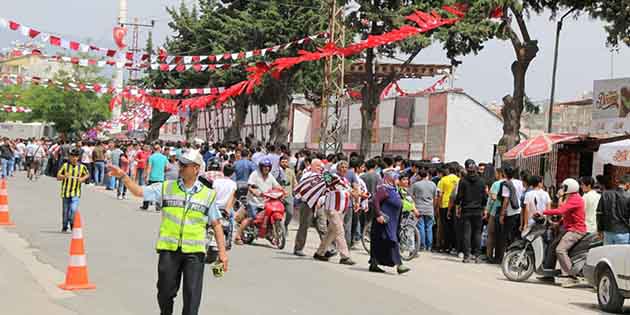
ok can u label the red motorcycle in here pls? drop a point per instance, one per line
(268, 222)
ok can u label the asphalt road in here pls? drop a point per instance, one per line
(123, 265)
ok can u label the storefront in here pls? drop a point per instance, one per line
(613, 159)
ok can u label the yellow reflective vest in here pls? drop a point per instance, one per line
(184, 218)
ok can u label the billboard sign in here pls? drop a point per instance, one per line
(611, 106)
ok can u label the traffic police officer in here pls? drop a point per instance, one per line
(188, 207)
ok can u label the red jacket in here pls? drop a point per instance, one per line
(572, 213)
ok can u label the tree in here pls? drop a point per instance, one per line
(616, 13)
(468, 36)
(375, 17)
(72, 112)
(230, 26)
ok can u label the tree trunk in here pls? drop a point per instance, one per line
(191, 126)
(512, 109)
(369, 102)
(241, 106)
(157, 120)
(279, 131)
(513, 106)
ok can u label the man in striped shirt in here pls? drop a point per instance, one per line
(71, 174)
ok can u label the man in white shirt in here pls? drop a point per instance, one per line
(510, 211)
(536, 201)
(259, 182)
(86, 158)
(20, 153)
(225, 188)
(591, 201)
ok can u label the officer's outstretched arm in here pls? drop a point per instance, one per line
(134, 188)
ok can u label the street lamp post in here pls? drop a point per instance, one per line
(555, 69)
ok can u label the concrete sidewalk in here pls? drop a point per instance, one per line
(28, 285)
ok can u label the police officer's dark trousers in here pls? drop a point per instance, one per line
(172, 266)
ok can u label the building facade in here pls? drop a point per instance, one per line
(449, 125)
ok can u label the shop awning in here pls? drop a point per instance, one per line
(538, 145)
(615, 153)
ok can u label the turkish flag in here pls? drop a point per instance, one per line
(14, 25)
(119, 36)
(33, 33)
(74, 45)
(55, 41)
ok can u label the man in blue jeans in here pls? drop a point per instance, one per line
(71, 174)
(424, 194)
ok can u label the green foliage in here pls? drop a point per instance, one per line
(616, 13)
(71, 111)
(216, 27)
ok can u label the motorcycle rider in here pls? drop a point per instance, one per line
(573, 230)
(259, 182)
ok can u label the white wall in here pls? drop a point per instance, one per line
(301, 127)
(471, 130)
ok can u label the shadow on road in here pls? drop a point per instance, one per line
(595, 307)
(584, 287)
(54, 232)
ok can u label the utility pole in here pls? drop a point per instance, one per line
(135, 46)
(120, 73)
(555, 69)
(333, 87)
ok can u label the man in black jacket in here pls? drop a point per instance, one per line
(470, 195)
(613, 213)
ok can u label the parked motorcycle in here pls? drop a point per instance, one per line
(525, 256)
(212, 248)
(268, 222)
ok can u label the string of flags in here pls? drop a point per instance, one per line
(233, 55)
(85, 62)
(101, 89)
(59, 41)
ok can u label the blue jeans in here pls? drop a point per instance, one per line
(252, 210)
(68, 208)
(611, 238)
(99, 172)
(122, 189)
(4, 163)
(425, 226)
(10, 166)
(112, 183)
(140, 176)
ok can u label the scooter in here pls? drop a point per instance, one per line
(268, 222)
(212, 248)
(524, 257)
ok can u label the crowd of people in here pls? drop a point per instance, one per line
(473, 211)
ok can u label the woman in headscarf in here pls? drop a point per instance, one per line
(384, 244)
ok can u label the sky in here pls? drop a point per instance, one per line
(583, 55)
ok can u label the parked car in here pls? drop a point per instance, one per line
(607, 269)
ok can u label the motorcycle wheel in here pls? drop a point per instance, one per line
(249, 235)
(520, 272)
(409, 242)
(279, 235)
(365, 239)
(228, 237)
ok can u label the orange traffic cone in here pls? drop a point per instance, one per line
(77, 274)
(4, 205)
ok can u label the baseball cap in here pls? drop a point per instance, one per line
(172, 153)
(191, 157)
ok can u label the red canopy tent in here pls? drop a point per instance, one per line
(538, 145)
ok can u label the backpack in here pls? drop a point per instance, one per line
(514, 202)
